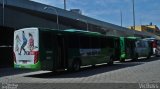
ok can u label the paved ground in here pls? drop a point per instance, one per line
(141, 71)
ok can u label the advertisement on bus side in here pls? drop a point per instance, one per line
(26, 46)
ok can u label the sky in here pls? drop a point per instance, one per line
(146, 11)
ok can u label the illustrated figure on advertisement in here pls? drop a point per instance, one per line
(24, 43)
(18, 42)
(31, 42)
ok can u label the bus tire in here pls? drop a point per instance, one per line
(122, 60)
(135, 57)
(148, 57)
(93, 66)
(110, 61)
(76, 65)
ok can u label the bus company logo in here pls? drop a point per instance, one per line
(90, 52)
(9, 86)
(148, 86)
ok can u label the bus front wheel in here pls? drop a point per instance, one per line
(148, 57)
(135, 57)
(122, 60)
(110, 61)
(76, 65)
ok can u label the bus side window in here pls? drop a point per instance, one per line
(158, 43)
(95, 42)
(146, 44)
(85, 42)
(143, 44)
(103, 42)
(73, 41)
(107, 42)
(138, 44)
(110, 42)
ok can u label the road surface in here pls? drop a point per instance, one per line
(143, 71)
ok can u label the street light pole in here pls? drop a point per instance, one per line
(121, 17)
(85, 22)
(133, 15)
(3, 13)
(64, 4)
(56, 14)
(87, 25)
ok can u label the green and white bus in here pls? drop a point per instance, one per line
(126, 48)
(48, 49)
(133, 48)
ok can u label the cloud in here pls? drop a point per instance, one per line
(109, 10)
(57, 3)
(43, 1)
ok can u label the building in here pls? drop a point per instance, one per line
(147, 28)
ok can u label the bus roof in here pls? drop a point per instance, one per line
(82, 31)
(73, 31)
(133, 37)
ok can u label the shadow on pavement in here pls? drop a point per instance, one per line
(85, 72)
(140, 60)
(13, 71)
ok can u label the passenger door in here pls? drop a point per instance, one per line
(146, 48)
(47, 50)
(117, 49)
(139, 48)
(61, 58)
